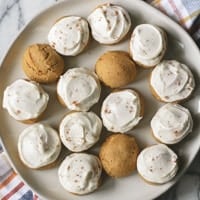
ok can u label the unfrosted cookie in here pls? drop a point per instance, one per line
(115, 69)
(171, 123)
(148, 45)
(25, 100)
(157, 164)
(109, 23)
(39, 146)
(80, 130)
(42, 64)
(80, 173)
(69, 35)
(171, 81)
(118, 155)
(122, 110)
(79, 89)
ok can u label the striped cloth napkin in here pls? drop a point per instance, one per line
(11, 185)
(185, 12)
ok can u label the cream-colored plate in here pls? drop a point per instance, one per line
(180, 47)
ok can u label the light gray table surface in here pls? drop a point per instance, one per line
(14, 15)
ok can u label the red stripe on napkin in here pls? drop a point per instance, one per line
(176, 11)
(8, 180)
(20, 185)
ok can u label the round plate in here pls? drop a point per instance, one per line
(180, 47)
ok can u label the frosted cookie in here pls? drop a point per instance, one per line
(122, 110)
(25, 100)
(171, 81)
(148, 45)
(69, 35)
(42, 64)
(79, 89)
(115, 69)
(39, 146)
(118, 155)
(80, 173)
(109, 23)
(157, 164)
(171, 123)
(80, 130)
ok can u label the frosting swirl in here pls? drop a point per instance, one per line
(172, 81)
(79, 88)
(147, 44)
(109, 23)
(121, 110)
(157, 164)
(80, 130)
(25, 100)
(80, 173)
(171, 123)
(69, 35)
(38, 145)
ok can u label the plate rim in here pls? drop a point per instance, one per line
(41, 12)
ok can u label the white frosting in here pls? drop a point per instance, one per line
(121, 111)
(80, 173)
(171, 123)
(157, 164)
(172, 81)
(147, 44)
(109, 23)
(79, 88)
(38, 146)
(80, 130)
(25, 100)
(69, 35)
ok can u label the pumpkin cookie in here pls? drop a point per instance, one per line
(69, 35)
(157, 164)
(25, 100)
(79, 89)
(42, 64)
(148, 45)
(80, 173)
(80, 130)
(118, 155)
(39, 146)
(122, 110)
(171, 81)
(109, 23)
(171, 123)
(116, 69)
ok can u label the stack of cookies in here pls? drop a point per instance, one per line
(79, 89)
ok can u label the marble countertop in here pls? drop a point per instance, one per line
(14, 15)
